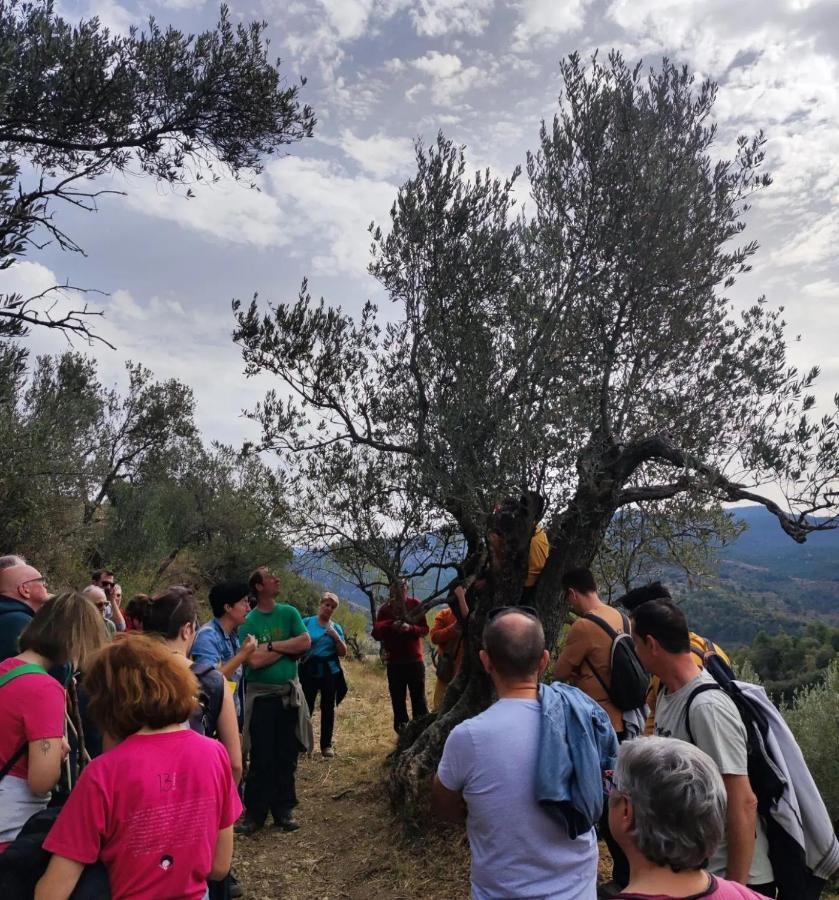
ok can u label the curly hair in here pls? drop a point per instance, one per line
(137, 683)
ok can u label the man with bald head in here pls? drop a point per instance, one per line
(487, 778)
(23, 591)
(99, 599)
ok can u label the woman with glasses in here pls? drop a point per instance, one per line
(667, 808)
(66, 629)
(158, 808)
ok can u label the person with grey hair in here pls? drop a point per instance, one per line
(667, 812)
(11, 559)
(99, 599)
(488, 778)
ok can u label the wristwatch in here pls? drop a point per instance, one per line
(270, 647)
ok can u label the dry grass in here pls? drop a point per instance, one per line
(350, 844)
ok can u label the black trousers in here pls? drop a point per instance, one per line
(269, 786)
(406, 677)
(326, 686)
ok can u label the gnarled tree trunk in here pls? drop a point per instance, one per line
(575, 536)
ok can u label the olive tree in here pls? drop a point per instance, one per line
(78, 103)
(583, 351)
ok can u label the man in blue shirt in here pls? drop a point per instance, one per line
(217, 642)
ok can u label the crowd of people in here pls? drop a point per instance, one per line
(160, 738)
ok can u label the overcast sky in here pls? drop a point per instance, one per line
(383, 72)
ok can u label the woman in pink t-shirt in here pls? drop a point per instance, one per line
(667, 812)
(158, 808)
(66, 629)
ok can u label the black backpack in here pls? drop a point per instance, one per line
(205, 718)
(629, 681)
(794, 880)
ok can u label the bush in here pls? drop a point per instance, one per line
(814, 720)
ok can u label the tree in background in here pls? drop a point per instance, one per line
(93, 477)
(584, 351)
(78, 103)
(65, 440)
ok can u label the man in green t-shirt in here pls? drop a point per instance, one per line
(272, 726)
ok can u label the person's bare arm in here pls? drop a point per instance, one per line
(44, 763)
(228, 734)
(242, 657)
(741, 823)
(262, 656)
(223, 856)
(60, 879)
(340, 646)
(573, 653)
(446, 804)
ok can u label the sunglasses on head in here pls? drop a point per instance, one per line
(502, 610)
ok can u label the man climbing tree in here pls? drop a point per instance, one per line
(585, 350)
(79, 103)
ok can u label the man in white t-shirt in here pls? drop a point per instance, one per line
(662, 640)
(487, 779)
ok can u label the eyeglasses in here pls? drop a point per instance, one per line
(101, 605)
(41, 580)
(503, 610)
(107, 585)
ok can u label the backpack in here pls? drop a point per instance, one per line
(629, 681)
(205, 718)
(793, 877)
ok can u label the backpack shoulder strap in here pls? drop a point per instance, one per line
(25, 669)
(612, 635)
(700, 689)
(603, 624)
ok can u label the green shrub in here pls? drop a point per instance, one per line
(813, 717)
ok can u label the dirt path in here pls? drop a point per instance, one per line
(348, 845)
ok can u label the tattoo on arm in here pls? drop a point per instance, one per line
(45, 746)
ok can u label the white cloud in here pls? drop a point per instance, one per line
(227, 210)
(814, 245)
(544, 20)
(331, 211)
(434, 18)
(449, 77)
(378, 154)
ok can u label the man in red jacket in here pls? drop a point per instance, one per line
(402, 643)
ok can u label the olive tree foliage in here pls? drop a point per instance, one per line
(583, 349)
(647, 541)
(66, 440)
(78, 103)
(215, 505)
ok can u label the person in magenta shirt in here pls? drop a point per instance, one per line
(66, 629)
(667, 808)
(158, 807)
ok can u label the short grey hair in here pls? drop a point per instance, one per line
(11, 559)
(678, 800)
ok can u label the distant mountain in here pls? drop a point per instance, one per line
(766, 581)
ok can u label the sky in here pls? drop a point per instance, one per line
(381, 73)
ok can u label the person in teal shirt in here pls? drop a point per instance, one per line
(322, 671)
(273, 702)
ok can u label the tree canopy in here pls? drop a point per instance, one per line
(78, 103)
(586, 349)
(583, 349)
